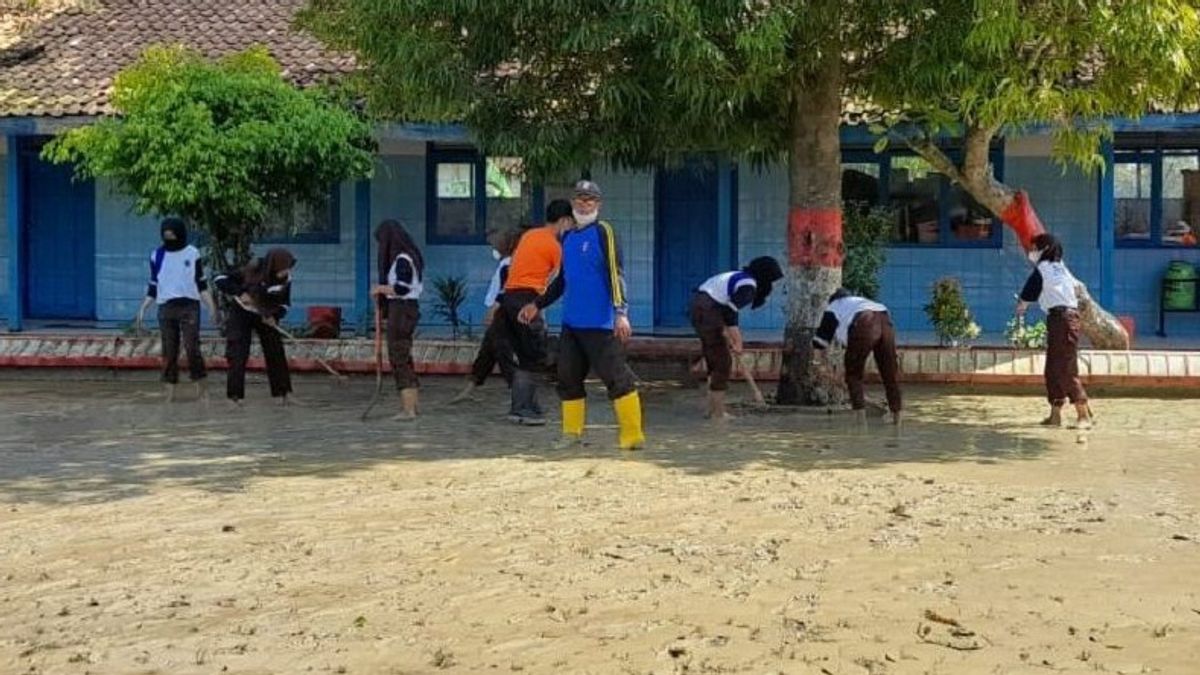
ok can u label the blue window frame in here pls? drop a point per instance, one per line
(469, 194)
(304, 223)
(931, 212)
(1156, 195)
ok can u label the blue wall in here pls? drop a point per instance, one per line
(324, 276)
(1067, 203)
(4, 253)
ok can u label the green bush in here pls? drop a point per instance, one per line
(865, 233)
(948, 312)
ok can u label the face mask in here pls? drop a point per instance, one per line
(586, 218)
(496, 254)
(1034, 256)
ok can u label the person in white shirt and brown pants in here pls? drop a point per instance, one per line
(1052, 286)
(865, 328)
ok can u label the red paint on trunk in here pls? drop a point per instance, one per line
(1024, 221)
(815, 237)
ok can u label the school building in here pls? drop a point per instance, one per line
(74, 253)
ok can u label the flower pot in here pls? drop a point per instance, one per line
(325, 322)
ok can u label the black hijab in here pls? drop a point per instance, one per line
(176, 227)
(393, 240)
(766, 271)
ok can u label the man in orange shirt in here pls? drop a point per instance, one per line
(534, 264)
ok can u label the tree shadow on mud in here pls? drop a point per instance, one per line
(86, 442)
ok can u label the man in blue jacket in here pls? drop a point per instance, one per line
(595, 321)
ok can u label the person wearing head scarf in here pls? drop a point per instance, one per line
(259, 294)
(495, 348)
(864, 327)
(401, 270)
(177, 285)
(714, 311)
(1052, 286)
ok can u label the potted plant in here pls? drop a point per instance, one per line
(949, 314)
(1023, 336)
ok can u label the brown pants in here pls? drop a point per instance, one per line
(403, 316)
(1062, 357)
(872, 333)
(709, 324)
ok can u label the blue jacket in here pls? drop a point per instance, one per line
(591, 280)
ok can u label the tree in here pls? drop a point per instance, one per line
(222, 144)
(563, 83)
(976, 70)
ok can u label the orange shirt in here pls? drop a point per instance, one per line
(537, 257)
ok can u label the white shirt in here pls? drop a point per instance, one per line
(495, 287)
(722, 287)
(1058, 286)
(414, 287)
(176, 275)
(844, 311)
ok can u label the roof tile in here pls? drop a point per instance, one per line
(84, 49)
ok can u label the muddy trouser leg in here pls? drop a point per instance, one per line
(710, 327)
(403, 316)
(278, 375)
(168, 327)
(190, 328)
(238, 327)
(886, 362)
(607, 358)
(573, 366)
(1058, 351)
(485, 358)
(864, 333)
(528, 344)
(1062, 358)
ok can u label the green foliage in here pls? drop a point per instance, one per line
(560, 82)
(222, 144)
(1004, 64)
(865, 233)
(452, 295)
(1023, 336)
(947, 311)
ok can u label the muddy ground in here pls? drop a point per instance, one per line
(142, 538)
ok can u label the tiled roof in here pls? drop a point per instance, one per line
(66, 65)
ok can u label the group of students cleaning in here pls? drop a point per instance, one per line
(573, 257)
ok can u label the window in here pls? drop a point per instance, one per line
(929, 209)
(1157, 196)
(471, 194)
(305, 223)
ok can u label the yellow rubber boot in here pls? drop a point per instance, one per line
(573, 415)
(629, 422)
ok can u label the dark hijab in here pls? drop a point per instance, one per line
(1050, 246)
(178, 229)
(393, 240)
(265, 271)
(765, 271)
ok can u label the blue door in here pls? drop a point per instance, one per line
(59, 226)
(686, 238)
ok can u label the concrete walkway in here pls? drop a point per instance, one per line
(652, 358)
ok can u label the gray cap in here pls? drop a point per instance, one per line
(586, 188)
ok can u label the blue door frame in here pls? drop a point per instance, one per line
(56, 247)
(694, 236)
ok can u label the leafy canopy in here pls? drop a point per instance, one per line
(559, 82)
(220, 143)
(982, 66)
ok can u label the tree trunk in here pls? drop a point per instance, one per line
(815, 248)
(976, 177)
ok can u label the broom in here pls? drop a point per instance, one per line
(378, 364)
(292, 339)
